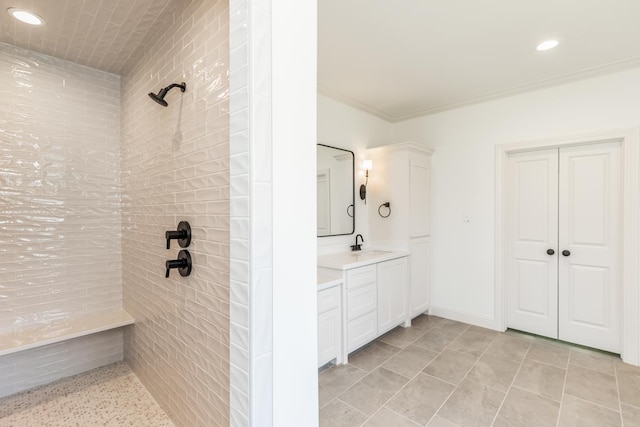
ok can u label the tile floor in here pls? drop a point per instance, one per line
(444, 373)
(107, 396)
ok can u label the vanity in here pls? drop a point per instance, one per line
(363, 294)
(374, 292)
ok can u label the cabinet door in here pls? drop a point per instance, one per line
(419, 279)
(328, 336)
(419, 197)
(392, 294)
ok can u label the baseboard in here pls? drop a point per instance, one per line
(461, 316)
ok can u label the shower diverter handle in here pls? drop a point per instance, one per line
(183, 264)
(182, 235)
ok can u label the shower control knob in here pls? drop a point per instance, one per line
(182, 235)
(183, 264)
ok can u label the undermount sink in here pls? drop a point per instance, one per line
(346, 260)
(371, 253)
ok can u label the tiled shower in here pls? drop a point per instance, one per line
(92, 175)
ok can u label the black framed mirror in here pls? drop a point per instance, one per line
(336, 194)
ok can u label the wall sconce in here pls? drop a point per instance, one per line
(367, 165)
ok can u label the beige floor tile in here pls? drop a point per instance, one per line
(542, 379)
(494, 371)
(592, 386)
(436, 339)
(402, 337)
(509, 347)
(371, 392)
(452, 326)
(630, 415)
(339, 414)
(387, 418)
(372, 356)
(629, 383)
(471, 343)
(410, 361)
(425, 322)
(519, 334)
(524, 409)
(472, 404)
(593, 360)
(441, 422)
(549, 354)
(421, 398)
(484, 331)
(450, 366)
(336, 380)
(575, 412)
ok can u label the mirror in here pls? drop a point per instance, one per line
(336, 207)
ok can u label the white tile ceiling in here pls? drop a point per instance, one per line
(102, 34)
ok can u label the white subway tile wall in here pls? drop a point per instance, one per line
(175, 163)
(60, 196)
(30, 368)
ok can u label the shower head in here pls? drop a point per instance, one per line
(159, 98)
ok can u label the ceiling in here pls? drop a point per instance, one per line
(395, 59)
(404, 58)
(102, 34)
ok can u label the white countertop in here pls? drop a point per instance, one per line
(348, 260)
(328, 278)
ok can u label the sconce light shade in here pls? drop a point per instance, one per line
(367, 165)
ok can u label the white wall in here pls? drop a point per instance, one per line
(463, 171)
(342, 126)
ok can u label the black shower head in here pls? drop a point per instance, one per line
(159, 98)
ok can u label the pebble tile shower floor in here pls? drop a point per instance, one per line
(444, 373)
(107, 396)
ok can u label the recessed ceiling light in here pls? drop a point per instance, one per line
(547, 44)
(24, 16)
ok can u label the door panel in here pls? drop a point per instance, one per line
(532, 229)
(590, 218)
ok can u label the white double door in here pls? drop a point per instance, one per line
(563, 244)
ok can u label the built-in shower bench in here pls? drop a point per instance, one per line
(52, 332)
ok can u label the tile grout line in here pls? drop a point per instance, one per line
(401, 388)
(615, 372)
(418, 374)
(513, 380)
(564, 386)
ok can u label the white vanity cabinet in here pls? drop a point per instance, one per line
(392, 294)
(401, 176)
(375, 297)
(362, 300)
(329, 324)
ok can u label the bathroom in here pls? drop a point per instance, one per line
(219, 156)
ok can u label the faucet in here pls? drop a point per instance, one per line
(358, 247)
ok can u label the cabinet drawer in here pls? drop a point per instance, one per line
(328, 299)
(360, 331)
(357, 277)
(361, 301)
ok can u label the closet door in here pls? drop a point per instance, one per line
(532, 233)
(589, 243)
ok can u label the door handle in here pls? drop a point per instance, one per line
(566, 253)
(550, 252)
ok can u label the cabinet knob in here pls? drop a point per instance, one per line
(566, 253)
(550, 252)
